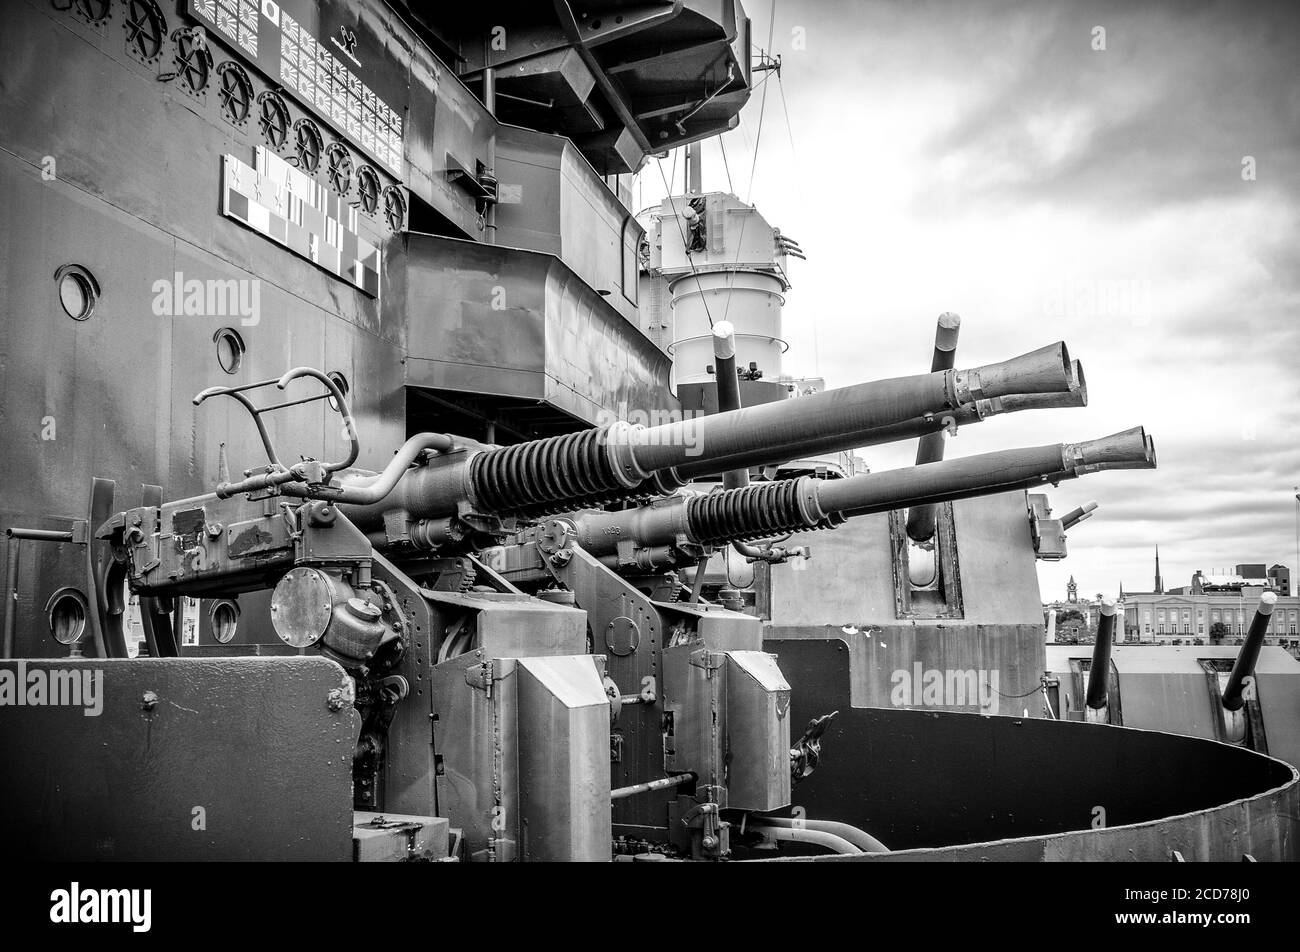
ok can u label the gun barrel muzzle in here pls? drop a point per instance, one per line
(1244, 666)
(1078, 514)
(1099, 672)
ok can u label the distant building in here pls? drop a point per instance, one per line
(1281, 577)
(1088, 608)
(1214, 609)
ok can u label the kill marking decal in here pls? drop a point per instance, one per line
(293, 210)
(287, 52)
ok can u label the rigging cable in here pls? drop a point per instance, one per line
(798, 177)
(731, 188)
(758, 140)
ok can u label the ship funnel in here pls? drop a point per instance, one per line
(1244, 667)
(1099, 672)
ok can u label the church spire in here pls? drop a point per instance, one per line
(1160, 588)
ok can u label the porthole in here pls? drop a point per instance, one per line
(224, 618)
(236, 92)
(193, 59)
(93, 11)
(273, 117)
(368, 189)
(78, 291)
(339, 381)
(308, 144)
(394, 208)
(66, 611)
(145, 28)
(230, 349)
(339, 167)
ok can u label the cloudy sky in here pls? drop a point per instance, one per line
(984, 158)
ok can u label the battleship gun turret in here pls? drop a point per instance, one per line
(440, 490)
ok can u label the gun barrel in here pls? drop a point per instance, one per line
(929, 449)
(830, 420)
(1244, 666)
(728, 384)
(619, 462)
(989, 473)
(1078, 514)
(1099, 672)
(789, 505)
(917, 427)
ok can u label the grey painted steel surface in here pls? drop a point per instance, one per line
(847, 592)
(524, 748)
(1209, 801)
(1166, 688)
(853, 581)
(565, 209)
(491, 319)
(564, 786)
(252, 743)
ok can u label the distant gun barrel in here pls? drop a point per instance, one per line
(929, 449)
(1078, 514)
(1244, 667)
(619, 462)
(1099, 672)
(790, 505)
(728, 385)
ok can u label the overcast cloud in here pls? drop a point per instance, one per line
(984, 158)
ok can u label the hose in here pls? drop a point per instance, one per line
(861, 839)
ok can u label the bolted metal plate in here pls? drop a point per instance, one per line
(302, 606)
(622, 635)
(178, 759)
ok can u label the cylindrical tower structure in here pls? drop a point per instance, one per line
(750, 300)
